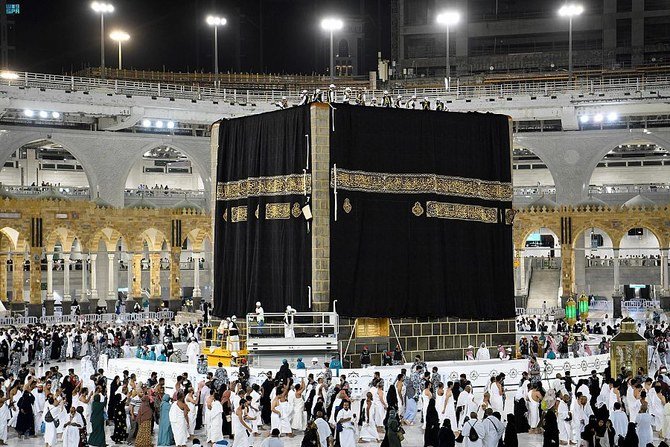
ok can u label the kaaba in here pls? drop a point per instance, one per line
(375, 212)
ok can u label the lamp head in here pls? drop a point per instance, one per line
(216, 21)
(570, 10)
(448, 18)
(332, 24)
(119, 36)
(102, 8)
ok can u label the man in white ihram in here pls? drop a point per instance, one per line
(483, 352)
(192, 352)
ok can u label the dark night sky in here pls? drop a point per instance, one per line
(63, 35)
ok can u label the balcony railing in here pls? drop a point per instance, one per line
(160, 197)
(607, 86)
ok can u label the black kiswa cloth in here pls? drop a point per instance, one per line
(262, 253)
(388, 257)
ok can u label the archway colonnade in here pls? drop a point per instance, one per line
(572, 225)
(92, 245)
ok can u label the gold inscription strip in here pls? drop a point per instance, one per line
(421, 184)
(277, 211)
(238, 214)
(264, 186)
(443, 210)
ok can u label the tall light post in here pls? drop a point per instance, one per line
(120, 37)
(448, 19)
(216, 22)
(331, 25)
(102, 9)
(570, 10)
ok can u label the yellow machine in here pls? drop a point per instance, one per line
(215, 346)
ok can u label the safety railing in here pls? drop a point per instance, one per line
(87, 318)
(556, 312)
(606, 86)
(299, 324)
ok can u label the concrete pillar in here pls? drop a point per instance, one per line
(3, 278)
(664, 270)
(50, 276)
(320, 204)
(111, 293)
(616, 263)
(66, 277)
(155, 274)
(197, 293)
(17, 278)
(137, 276)
(94, 276)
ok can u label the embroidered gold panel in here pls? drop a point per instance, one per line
(238, 214)
(421, 184)
(443, 210)
(264, 186)
(277, 211)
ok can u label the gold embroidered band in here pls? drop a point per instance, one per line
(421, 184)
(238, 214)
(443, 210)
(278, 185)
(278, 210)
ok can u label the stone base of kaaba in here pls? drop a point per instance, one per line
(433, 339)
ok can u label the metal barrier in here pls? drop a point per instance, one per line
(301, 323)
(640, 304)
(87, 318)
(556, 312)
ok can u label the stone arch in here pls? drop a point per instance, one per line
(200, 170)
(653, 174)
(541, 251)
(65, 236)
(13, 236)
(533, 179)
(34, 138)
(154, 239)
(109, 237)
(658, 235)
(197, 237)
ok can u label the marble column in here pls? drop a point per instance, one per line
(84, 276)
(94, 276)
(3, 277)
(522, 274)
(129, 273)
(175, 274)
(66, 277)
(18, 278)
(36, 277)
(616, 262)
(665, 281)
(580, 266)
(155, 274)
(111, 293)
(50, 276)
(197, 293)
(137, 275)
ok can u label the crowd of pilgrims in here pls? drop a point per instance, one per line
(631, 410)
(40, 344)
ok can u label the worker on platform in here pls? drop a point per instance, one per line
(288, 322)
(233, 335)
(260, 316)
